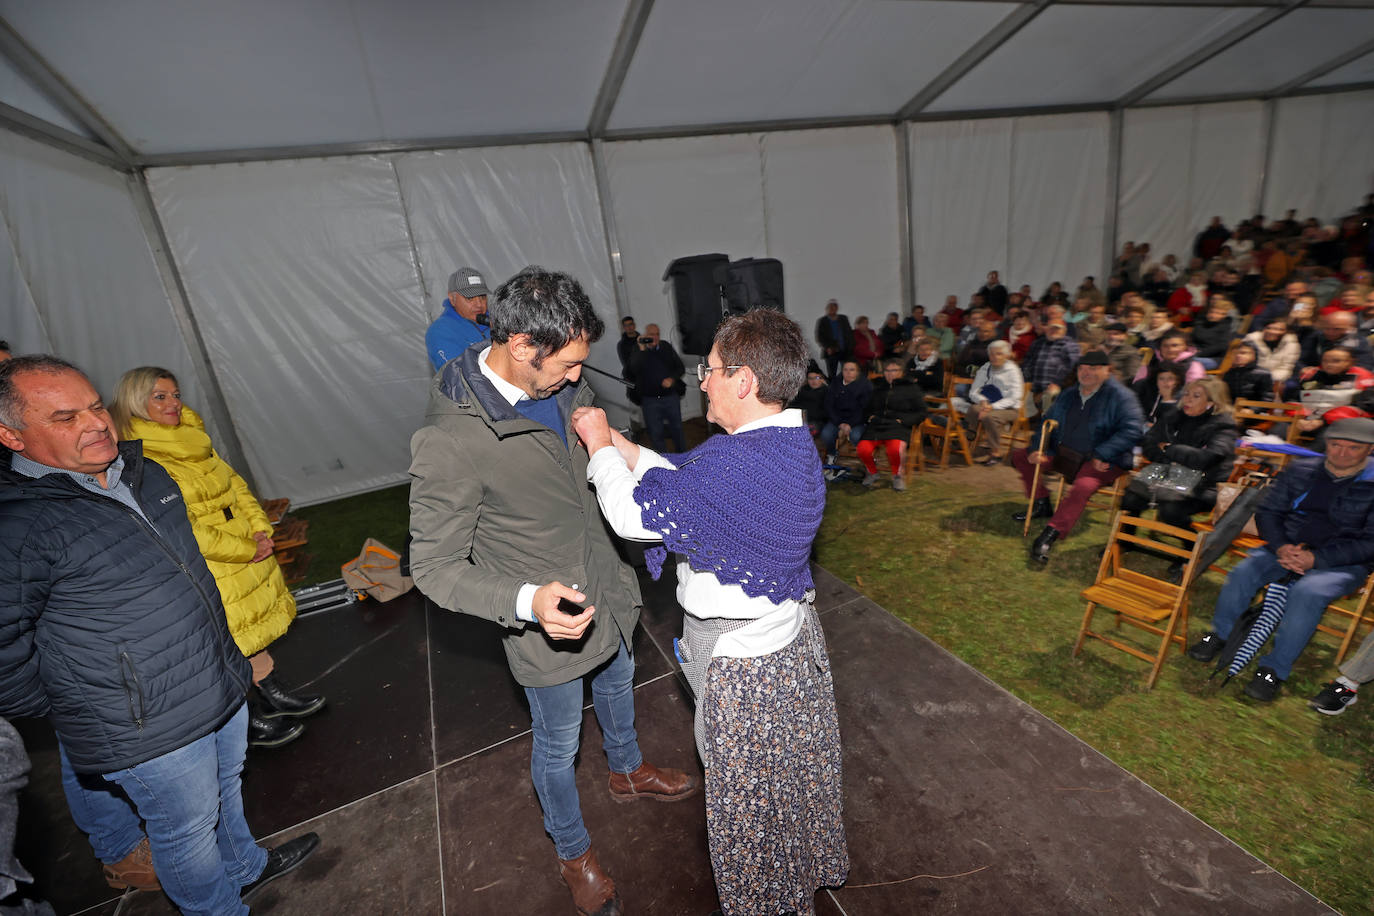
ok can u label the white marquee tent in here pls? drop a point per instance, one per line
(267, 196)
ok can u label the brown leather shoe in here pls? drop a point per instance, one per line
(650, 782)
(593, 891)
(134, 870)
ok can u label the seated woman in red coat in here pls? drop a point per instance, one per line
(868, 347)
(898, 406)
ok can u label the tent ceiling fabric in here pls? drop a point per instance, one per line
(755, 60)
(1360, 70)
(1275, 54)
(199, 78)
(1085, 54)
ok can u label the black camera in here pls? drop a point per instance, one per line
(646, 340)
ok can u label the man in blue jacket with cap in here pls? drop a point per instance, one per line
(1317, 521)
(463, 320)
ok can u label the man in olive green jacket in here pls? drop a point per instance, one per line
(505, 527)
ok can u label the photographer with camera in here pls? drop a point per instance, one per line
(656, 370)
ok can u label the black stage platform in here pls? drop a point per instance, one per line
(959, 797)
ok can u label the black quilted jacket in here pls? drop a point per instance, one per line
(109, 625)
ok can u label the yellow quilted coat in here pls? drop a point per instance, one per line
(256, 600)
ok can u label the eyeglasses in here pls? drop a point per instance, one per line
(702, 369)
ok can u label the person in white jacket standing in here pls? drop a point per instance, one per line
(995, 398)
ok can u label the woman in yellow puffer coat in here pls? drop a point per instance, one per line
(234, 535)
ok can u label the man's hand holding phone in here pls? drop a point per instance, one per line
(551, 606)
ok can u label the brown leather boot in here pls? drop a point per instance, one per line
(134, 870)
(593, 891)
(650, 782)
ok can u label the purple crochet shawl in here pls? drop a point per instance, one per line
(744, 507)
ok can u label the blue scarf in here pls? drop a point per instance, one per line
(745, 508)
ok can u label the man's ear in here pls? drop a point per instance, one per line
(11, 439)
(520, 348)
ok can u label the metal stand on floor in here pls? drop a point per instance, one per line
(326, 596)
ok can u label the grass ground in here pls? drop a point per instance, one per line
(1293, 787)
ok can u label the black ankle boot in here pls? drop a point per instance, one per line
(265, 732)
(277, 701)
(1041, 509)
(1040, 550)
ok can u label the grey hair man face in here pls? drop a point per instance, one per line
(52, 414)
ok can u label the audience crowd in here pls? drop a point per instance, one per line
(1272, 318)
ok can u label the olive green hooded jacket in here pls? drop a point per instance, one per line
(497, 500)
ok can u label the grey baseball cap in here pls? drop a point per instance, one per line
(1352, 429)
(468, 283)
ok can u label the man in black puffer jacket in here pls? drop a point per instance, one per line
(111, 625)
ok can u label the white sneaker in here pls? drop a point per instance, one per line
(899, 483)
(870, 479)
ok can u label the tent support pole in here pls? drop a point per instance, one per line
(603, 197)
(1110, 229)
(906, 254)
(1269, 115)
(227, 437)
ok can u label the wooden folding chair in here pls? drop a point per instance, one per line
(948, 435)
(1226, 359)
(1143, 601)
(1264, 414)
(1146, 354)
(1351, 613)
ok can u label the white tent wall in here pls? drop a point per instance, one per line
(824, 202)
(301, 277)
(1322, 162)
(960, 206)
(77, 271)
(830, 213)
(1058, 200)
(499, 209)
(1182, 165)
(676, 198)
(1023, 196)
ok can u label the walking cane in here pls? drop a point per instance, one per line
(1046, 429)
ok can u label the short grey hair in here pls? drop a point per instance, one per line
(11, 401)
(999, 346)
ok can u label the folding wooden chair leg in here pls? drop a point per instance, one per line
(1083, 628)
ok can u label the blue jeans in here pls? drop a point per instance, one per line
(101, 811)
(830, 435)
(658, 411)
(191, 801)
(1307, 600)
(556, 714)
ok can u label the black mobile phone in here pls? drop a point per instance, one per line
(571, 607)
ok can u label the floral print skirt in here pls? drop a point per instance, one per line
(773, 791)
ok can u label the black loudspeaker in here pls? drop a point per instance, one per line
(696, 297)
(751, 283)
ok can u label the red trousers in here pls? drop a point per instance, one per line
(1085, 483)
(866, 447)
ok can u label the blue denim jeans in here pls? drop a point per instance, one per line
(1307, 600)
(659, 411)
(102, 811)
(830, 436)
(556, 714)
(191, 801)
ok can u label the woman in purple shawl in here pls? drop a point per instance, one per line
(740, 512)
